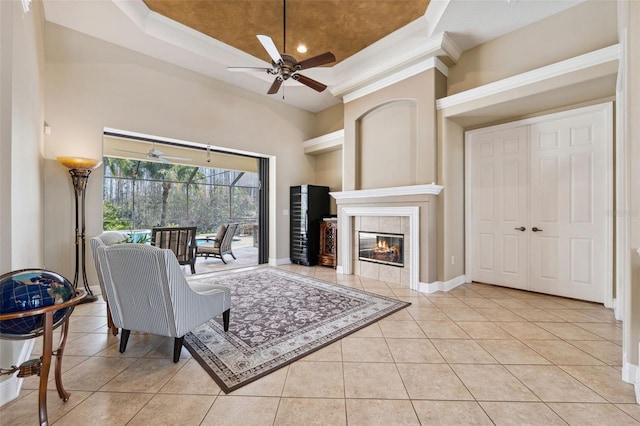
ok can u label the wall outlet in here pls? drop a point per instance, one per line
(453, 260)
(285, 212)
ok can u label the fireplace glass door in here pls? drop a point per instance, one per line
(378, 247)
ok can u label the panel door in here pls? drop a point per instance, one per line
(568, 207)
(499, 207)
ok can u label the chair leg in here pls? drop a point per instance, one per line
(222, 257)
(124, 338)
(110, 324)
(232, 255)
(193, 267)
(225, 319)
(177, 348)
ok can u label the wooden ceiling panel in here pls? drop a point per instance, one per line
(343, 27)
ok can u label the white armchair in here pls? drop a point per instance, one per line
(148, 292)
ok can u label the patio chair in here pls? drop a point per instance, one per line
(149, 293)
(179, 239)
(220, 245)
(107, 238)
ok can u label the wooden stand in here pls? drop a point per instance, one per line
(47, 351)
(328, 255)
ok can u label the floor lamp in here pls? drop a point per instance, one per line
(80, 169)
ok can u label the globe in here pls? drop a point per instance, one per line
(28, 289)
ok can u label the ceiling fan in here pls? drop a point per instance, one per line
(154, 154)
(286, 66)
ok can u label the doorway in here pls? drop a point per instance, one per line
(539, 197)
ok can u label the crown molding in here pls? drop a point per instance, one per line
(562, 68)
(421, 55)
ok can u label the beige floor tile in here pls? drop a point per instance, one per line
(164, 350)
(521, 413)
(498, 314)
(373, 380)
(191, 379)
(607, 352)
(464, 351)
(592, 414)
(536, 314)
(606, 315)
(573, 315)
(332, 352)
(567, 331)
(432, 381)
(86, 324)
(374, 412)
(561, 352)
(92, 374)
(104, 408)
(464, 292)
(546, 303)
(525, 330)
(448, 413)
(479, 302)
(417, 301)
(368, 349)
(270, 385)
(512, 303)
(242, 410)
(401, 329)
(448, 302)
(311, 411)
(90, 344)
(401, 315)
(552, 384)
(607, 331)
(463, 314)
(24, 411)
(512, 352)
(68, 362)
(138, 345)
(442, 330)
(414, 351)
(172, 409)
(631, 409)
(604, 380)
(144, 375)
(492, 383)
(426, 314)
(314, 380)
(483, 330)
(372, 330)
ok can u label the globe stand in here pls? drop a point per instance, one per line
(41, 366)
(79, 177)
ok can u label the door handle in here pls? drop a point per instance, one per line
(521, 229)
(534, 229)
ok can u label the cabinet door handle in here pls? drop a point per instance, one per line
(521, 229)
(534, 229)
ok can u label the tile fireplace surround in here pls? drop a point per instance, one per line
(415, 204)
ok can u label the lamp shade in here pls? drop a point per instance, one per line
(78, 162)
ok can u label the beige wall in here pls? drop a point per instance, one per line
(328, 168)
(575, 31)
(329, 120)
(420, 89)
(21, 138)
(91, 84)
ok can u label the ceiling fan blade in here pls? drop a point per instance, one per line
(154, 152)
(132, 152)
(275, 86)
(247, 69)
(270, 47)
(315, 85)
(316, 61)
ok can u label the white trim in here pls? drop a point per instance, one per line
(403, 74)
(443, 286)
(345, 231)
(429, 189)
(330, 141)
(278, 262)
(558, 69)
(607, 109)
(10, 387)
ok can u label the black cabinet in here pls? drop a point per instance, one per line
(308, 205)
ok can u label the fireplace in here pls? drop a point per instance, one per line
(380, 247)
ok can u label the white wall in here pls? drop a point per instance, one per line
(21, 181)
(91, 84)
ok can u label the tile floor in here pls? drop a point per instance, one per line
(476, 355)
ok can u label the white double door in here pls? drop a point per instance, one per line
(539, 195)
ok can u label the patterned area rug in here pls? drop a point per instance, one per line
(277, 317)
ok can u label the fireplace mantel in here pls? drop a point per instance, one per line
(428, 189)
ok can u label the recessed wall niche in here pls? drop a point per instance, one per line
(386, 145)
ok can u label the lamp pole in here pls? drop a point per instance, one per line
(79, 178)
(80, 169)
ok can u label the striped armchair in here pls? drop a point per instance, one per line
(148, 292)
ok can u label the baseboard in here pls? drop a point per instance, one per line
(278, 262)
(10, 387)
(442, 285)
(339, 269)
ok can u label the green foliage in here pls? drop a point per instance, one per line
(137, 239)
(113, 219)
